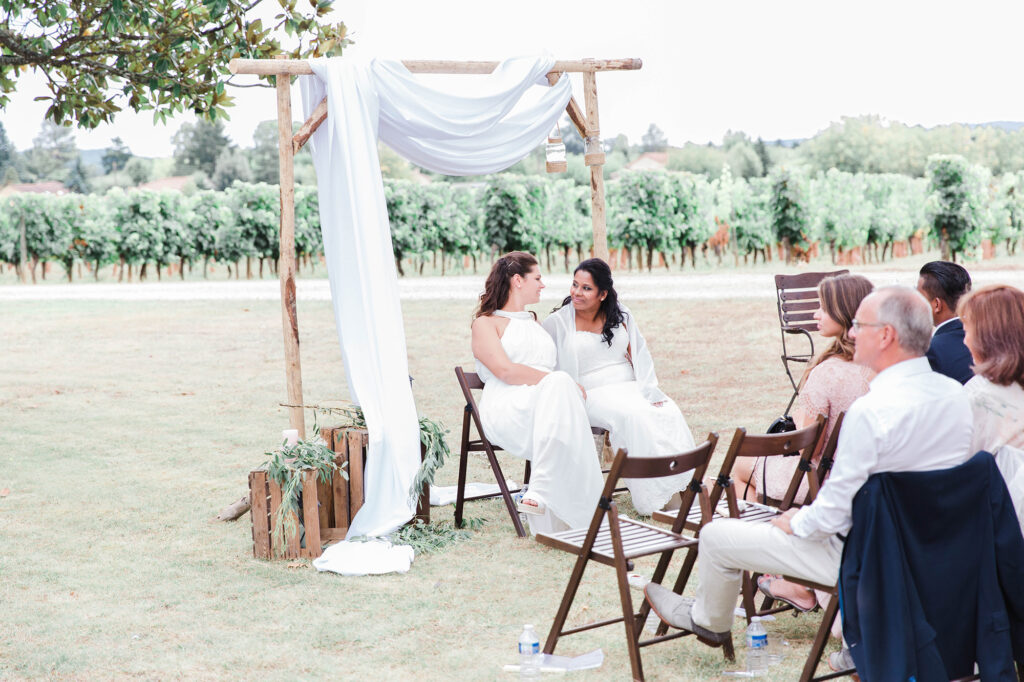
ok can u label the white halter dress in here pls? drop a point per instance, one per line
(545, 423)
(615, 402)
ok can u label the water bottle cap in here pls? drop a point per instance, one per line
(527, 627)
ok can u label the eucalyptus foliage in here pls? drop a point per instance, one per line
(286, 466)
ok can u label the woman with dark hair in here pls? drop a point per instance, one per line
(600, 346)
(528, 408)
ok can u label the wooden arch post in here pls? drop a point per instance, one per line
(587, 125)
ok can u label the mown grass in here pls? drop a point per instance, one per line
(125, 427)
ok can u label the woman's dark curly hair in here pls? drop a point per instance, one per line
(602, 276)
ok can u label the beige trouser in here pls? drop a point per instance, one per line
(729, 546)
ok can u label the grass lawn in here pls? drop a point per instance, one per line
(125, 427)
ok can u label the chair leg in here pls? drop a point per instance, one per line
(567, 598)
(628, 616)
(820, 640)
(505, 494)
(747, 588)
(460, 490)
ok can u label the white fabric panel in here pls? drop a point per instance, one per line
(443, 132)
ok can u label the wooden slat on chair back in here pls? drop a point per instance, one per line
(766, 445)
(798, 298)
(657, 467)
(816, 479)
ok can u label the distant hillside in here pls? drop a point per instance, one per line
(1009, 126)
(92, 157)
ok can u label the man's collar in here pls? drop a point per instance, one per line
(940, 325)
(900, 371)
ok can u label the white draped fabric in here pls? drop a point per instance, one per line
(448, 133)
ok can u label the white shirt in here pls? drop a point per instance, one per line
(911, 419)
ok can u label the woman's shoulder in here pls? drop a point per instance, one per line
(836, 369)
(486, 323)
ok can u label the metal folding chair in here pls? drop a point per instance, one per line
(797, 299)
(615, 541)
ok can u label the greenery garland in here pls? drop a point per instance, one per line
(285, 466)
(432, 436)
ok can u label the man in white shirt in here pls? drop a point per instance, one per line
(911, 419)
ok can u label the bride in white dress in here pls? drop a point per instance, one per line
(600, 345)
(529, 409)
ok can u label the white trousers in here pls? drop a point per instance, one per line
(729, 546)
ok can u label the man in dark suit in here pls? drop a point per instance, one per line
(942, 284)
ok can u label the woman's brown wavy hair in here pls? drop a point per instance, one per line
(499, 281)
(996, 317)
(840, 297)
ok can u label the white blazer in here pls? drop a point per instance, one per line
(561, 325)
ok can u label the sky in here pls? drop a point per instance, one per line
(776, 70)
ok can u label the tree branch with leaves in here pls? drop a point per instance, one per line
(165, 56)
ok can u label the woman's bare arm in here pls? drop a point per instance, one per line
(488, 350)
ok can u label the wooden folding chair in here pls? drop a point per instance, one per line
(616, 541)
(724, 502)
(830, 612)
(797, 299)
(469, 382)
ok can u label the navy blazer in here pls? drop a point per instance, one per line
(948, 354)
(932, 576)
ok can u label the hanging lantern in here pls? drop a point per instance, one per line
(555, 153)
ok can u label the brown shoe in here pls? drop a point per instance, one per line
(675, 610)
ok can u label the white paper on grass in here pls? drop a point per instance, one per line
(440, 495)
(448, 133)
(552, 663)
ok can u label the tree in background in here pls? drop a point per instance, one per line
(789, 214)
(169, 57)
(232, 165)
(78, 177)
(955, 204)
(762, 153)
(53, 150)
(653, 140)
(139, 170)
(263, 158)
(6, 154)
(116, 156)
(197, 146)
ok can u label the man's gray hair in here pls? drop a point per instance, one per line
(908, 313)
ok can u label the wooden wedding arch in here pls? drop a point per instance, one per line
(588, 126)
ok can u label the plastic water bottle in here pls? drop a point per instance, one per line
(529, 654)
(757, 647)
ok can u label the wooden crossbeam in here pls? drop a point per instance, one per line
(301, 67)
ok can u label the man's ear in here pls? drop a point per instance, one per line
(937, 306)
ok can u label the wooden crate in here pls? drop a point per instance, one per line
(327, 508)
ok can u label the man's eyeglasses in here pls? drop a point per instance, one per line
(857, 324)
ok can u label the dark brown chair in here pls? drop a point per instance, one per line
(814, 480)
(616, 541)
(469, 382)
(797, 299)
(724, 502)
